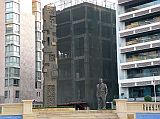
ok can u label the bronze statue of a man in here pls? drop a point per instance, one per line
(102, 92)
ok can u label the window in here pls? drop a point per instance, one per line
(6, 82)
(48, 41)
(36, 6)
(12, 7)
(13, 48)
(38, 85)
(17, 94)
(9, 28)
(38, 35)
(142, 39)
(145, 72)
(13, 38)
(6, 94)
(38, 55)
(12, 82)
(38, 45)
(141, 22)
(9, 17)
(9, 6)
(12, 60)
(38, 94)
(16, 7)
(16, 18)
(140, 6)
(12, 28)
(38, 16)
(48, 32)
(15, 82)
(141, 91)
(13, 72)
(38, 65)
(143, 55)
(38, 75)
(12, 17)
(38, 25)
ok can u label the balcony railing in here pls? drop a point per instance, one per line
(140, 12)
(140, 30)
(142, 22)
(140, 46)
(142, 63)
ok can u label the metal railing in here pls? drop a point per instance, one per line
(62, 4)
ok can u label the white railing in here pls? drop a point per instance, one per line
(151, 106)
(125, 108)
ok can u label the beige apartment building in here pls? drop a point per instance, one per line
(20, 51)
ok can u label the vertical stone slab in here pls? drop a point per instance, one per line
(121, 108)
(27, 110)
(50, 66)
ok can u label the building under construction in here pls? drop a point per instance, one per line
(86, 46)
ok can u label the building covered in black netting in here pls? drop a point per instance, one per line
(86, 35)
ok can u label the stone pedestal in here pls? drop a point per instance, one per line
(27, 110)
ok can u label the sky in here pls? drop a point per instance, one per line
(44, 2)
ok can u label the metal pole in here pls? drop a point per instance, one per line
(154, 89)
(8, 96)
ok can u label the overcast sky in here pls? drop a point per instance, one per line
(44, 2)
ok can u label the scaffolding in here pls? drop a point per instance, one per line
(86, 45)
(62, 4)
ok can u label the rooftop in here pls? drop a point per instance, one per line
(62, 4)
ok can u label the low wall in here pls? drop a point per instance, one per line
(17, 110)
(128, 110)
(24, 110)
(49, 110)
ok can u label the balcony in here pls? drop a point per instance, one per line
(140, 46)
(142, 81)
(139, 30)
(128, 2)
(138, 64)
(139, 13)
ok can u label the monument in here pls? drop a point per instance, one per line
(101, 94)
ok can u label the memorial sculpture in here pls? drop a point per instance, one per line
(101, 94)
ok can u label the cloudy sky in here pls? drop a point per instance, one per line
(44, 2)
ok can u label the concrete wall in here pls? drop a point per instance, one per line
(24, 109)
(2, 49)
(27, 52)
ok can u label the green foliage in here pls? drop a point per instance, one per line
(148, 98)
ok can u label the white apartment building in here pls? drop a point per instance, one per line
(138, 46)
